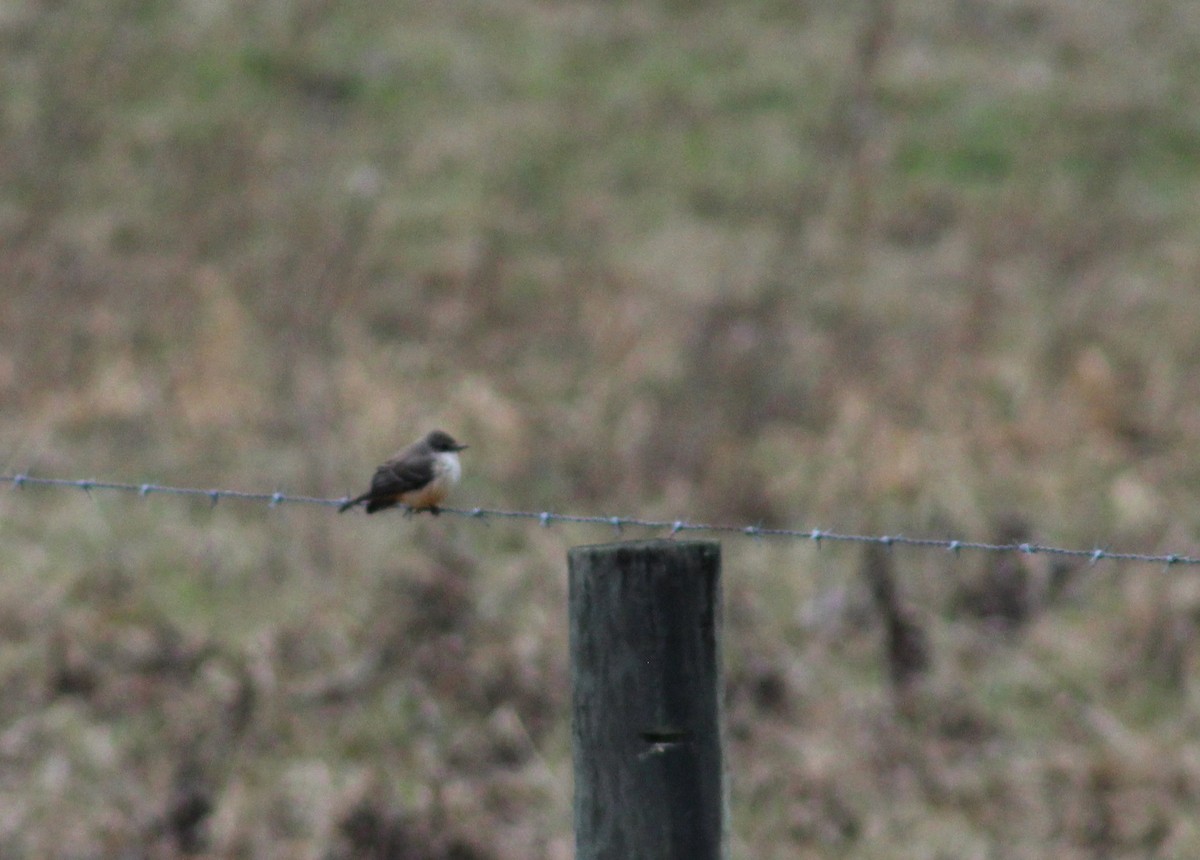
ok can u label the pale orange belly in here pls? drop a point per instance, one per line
(429, 496)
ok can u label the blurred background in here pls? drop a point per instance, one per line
(926, 267)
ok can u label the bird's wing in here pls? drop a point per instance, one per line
(398, 476)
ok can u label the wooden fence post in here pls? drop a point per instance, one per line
(645, 627)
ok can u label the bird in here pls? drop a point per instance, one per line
(418, 477)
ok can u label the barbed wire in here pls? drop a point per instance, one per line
(620, 523)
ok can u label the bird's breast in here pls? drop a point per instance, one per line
(447, 469)
(446, 473)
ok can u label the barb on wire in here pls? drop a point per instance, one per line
(619, 523)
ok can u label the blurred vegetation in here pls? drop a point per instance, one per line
(924, 268)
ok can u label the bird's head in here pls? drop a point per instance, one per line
(441, 441)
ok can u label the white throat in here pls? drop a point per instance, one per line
(448, 469)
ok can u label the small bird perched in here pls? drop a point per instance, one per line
(419, 477)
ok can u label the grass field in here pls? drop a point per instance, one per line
(929, 268)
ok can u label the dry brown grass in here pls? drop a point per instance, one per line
(909, 267)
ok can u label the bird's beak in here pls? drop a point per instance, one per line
(462, 447)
